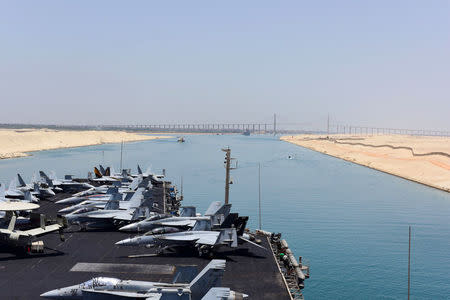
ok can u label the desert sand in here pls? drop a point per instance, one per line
(18, 143)
(423, 159)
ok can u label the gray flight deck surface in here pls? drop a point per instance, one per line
(249, 269)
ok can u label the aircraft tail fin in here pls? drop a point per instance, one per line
(213, 208)
(228, 237)
(113, 202)
(43, 175)
(145, 183)
(220, 215)
(108, 171)
(202, 225)
(21, 182)
(188, 211)
(137, 198)
(135, 183)
(139, 170)
(27, 196)
(36, 188)
(97, 173)
(112, 190)
(102, 170)
(209, 277)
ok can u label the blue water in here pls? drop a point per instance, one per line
(349, 222)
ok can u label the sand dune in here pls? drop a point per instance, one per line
(419, 158)
(17, 143)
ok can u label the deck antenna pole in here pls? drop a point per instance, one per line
(227, 173)
(121, 155)
(409, 262)
(259, 193)
(164, 197)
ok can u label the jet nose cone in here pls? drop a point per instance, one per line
(65, 201)
(128, 228)
(65, 210)
(134, 241)
(125, 242)
(54, 294)
(67, 293)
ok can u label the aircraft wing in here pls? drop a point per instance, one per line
(217, 293)
(41, 231)
(116, 215)
(209, 239)
(98, 294)
(177, 223)
(124, 216)
(205, 239)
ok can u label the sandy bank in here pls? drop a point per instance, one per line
(17, 143)
(418, 158)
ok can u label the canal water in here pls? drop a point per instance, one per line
(350, 223)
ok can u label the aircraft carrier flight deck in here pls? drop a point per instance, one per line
(87, 254)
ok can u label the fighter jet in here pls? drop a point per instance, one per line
(149, 174)
(109, 217)
(132, 200)
(67, 184)
(23, 241)
(38, 190)
(16, 194)
(106, 176)
(103, 192)
(205, 286)
(79, 199)
(216, 212)
(201, 237)
(20, 193)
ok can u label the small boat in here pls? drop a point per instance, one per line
(246, 132)
(181, 139)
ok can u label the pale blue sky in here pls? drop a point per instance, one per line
(375, 63)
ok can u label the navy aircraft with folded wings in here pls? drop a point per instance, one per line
(205, 286)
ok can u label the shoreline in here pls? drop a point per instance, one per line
(22, 143)
(429, 168)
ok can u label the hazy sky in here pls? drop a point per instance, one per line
(375, 63)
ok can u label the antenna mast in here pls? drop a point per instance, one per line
(227, 172)
(164, 197)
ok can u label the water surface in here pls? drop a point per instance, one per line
(349, 222)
